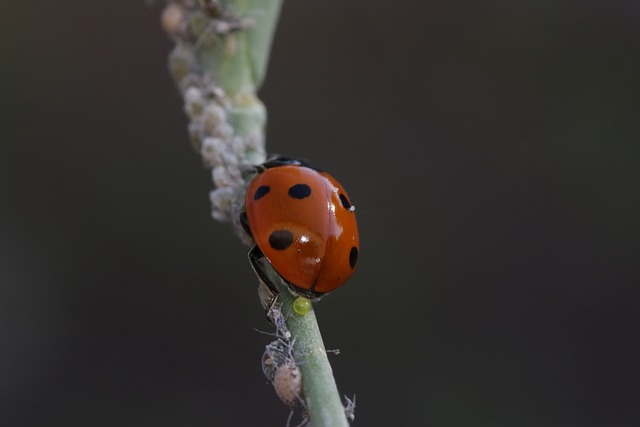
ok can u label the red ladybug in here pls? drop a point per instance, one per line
(304, 224)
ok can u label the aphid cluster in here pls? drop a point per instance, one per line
(197, 28)
(281, 364)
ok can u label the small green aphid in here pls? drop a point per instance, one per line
(301, 306)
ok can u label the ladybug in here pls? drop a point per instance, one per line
(304, 224)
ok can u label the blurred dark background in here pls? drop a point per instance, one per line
(492, 151)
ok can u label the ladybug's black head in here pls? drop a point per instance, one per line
(277, 160)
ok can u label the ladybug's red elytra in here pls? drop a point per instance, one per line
(304, 224)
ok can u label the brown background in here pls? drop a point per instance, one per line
(491, 149)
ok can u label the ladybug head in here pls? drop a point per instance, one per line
(277, 160)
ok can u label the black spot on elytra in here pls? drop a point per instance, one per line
(353, 257)
(345, 202)
(261, 191)
(281, 239)
(300, 191)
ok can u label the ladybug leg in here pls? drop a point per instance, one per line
(255, 256)
(245, 223)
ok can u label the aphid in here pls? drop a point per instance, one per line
(281, 370)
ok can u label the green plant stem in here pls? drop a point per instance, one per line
(219, 64)
(240, 76)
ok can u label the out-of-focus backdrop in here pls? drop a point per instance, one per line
(492, 151)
